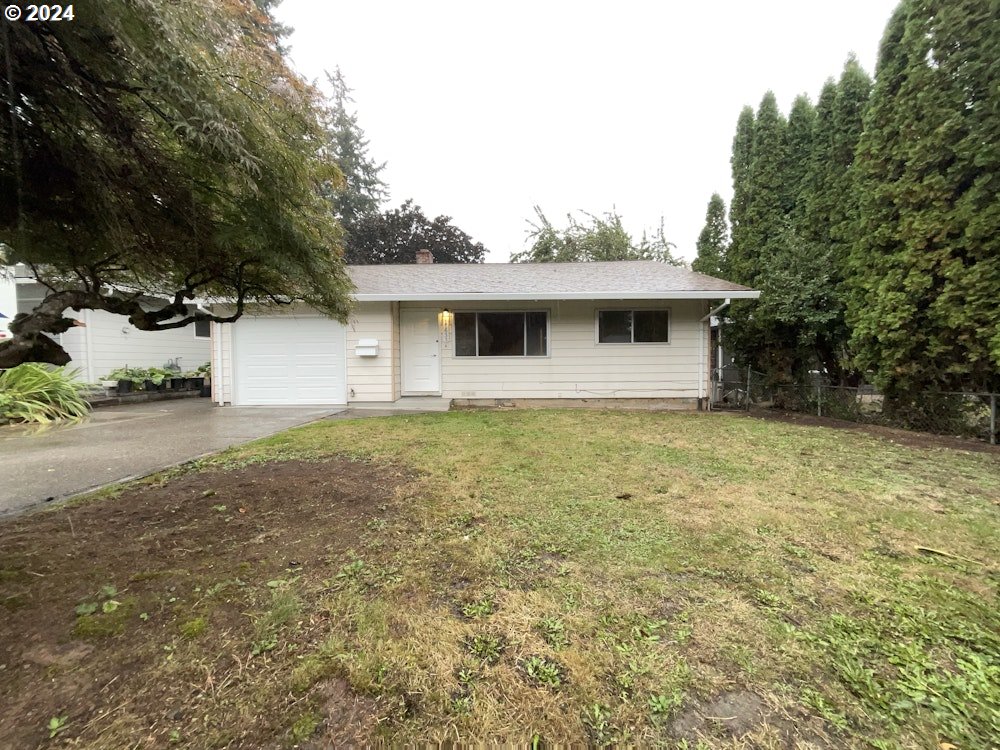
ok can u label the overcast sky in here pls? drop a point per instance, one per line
(484, 110)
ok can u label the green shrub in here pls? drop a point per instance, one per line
(40, 393)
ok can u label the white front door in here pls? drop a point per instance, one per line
(419, 352)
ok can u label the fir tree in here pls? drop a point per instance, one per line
(362, 191)
(925, 264)
(713, 239)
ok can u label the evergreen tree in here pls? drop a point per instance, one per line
(754, 337)
(801, 125)
(815, 208)
(925, 263)
(740, 161)
(713, 239)
(362, 190)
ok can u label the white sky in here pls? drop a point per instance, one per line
(483, 110)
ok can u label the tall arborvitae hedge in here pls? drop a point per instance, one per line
(924, 306)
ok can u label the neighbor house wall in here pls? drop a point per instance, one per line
(577, 366)
(107, 342)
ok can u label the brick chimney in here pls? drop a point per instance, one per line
(425, 256)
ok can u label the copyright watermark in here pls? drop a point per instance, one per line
(39, 13)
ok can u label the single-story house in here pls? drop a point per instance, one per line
(483, 333)
(104, 342)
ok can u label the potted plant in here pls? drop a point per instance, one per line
(156, 379)
(122, 378)
(195, 380)
(206, 384)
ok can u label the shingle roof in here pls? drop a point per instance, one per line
(633, 279)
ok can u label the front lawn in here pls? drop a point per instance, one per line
(553, 577)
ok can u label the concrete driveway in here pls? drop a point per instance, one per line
(39, 465)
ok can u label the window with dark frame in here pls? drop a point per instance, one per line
(203, 329)
(501, 334)
(633, 326)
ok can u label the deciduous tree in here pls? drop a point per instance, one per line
(161, 151)
(394, 236)
(592, 238)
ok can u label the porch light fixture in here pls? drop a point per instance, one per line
(446, 322)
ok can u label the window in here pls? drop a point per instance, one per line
(633, 326)
(202, 329)
(501, 334)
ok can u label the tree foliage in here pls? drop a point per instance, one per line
(592, 238)
(394, 236)
(161, 150)
(925, 261)
(713, 239)
(362, 190)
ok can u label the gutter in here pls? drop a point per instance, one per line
(701, 347)
(538, 296)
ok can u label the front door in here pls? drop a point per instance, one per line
(419, 350)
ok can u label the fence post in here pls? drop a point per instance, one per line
(748, 386)
(993, 419)
(819, 400)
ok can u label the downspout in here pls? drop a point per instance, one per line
(701, 347)
(217, 365)
(88, 347)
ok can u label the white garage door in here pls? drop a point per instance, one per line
(289, 360)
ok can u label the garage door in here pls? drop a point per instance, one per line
(289, 360)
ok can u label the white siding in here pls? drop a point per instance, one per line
(371, 378)
(222, 363)
(577, 366)
(8, 299)
(108, 341)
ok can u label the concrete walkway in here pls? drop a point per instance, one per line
(39, 465)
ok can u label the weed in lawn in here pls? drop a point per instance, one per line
(597, 719)
(285, 606)
(467, 674)
(351, 571)
(310, 670)
(193, 628)
(461, 704)
(544, 672)
(927, 655)
(553, 632)
(487, 647)
(107, 621)
(304, 727)
(479, 609)
(56, 725)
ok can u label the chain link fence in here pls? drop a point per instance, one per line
(966, 415)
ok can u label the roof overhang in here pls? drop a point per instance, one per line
(533, 296)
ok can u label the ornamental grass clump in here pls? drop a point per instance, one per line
(40, 393)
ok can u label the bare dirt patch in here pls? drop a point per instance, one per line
(141, 615)
(743, 715)
(908, 438)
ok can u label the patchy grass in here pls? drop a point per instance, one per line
(531, 577)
